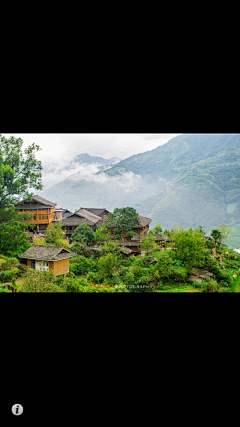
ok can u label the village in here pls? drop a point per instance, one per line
(48, 248)
(56, 259)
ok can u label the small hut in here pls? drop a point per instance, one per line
(53, 259)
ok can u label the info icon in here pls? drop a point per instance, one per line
(17, 409)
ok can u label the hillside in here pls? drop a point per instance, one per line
(87, 159)
(191, 180)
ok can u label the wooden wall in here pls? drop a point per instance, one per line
(43, 216)
(56, 267)
(59, 267)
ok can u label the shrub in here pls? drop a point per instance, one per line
(39, 241)
(38, 281)
(179, 273)
(207, 285)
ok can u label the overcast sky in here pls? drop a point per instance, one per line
(60, 149)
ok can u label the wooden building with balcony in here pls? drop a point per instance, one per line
(42, 210)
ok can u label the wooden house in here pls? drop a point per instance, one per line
(101, 213)
(66, 213)
(135, 242)
(143, 227)
(42, 210)
(53, 259)
(70, 224)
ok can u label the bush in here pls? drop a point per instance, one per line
(207, 285)
(8, 275)
(39, 241)
(38, 281)
(220, 275)
(179, 273)
(82, 265)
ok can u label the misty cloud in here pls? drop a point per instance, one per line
(126, 181)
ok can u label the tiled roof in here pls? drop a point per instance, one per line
(143, 222)
(47, 253)
(89, 215)
(126, 251)
(158, 237)
(129, 244)
(43, 201)
(96, 211)
(75, 219)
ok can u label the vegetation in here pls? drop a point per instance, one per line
(55, 234)
(83, 231)
(122, 220)
(19, 171)
(12, 239)
(189, 263)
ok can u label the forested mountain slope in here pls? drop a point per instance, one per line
(191, 180)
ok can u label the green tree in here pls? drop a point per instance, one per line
(55, 234)
(107, 265)
(81, 248)
(83, 231)
(37, 281)
(224, 232)
(201, 230)
(157, 229)
(13, 240)
(122, 220)
(102, 235)
(189, 247)
(148, 244)
(216, 235)
(19, 171)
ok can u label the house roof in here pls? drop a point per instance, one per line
(126, 251)
(158, 237)
(96, 211)
(66, 213)
(47, 253)
(143, 221)
(76, 219)
(129, 244)
(41, 200)
(88, 215)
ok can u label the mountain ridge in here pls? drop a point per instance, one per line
(193, 179)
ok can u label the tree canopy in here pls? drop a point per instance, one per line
(19, 171)
(125, 219)
(55, 234)
(13, 240)
(189, 247)
(83, 231)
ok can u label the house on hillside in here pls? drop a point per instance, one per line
(42, 210)
(70, 224)
(102, 214)
(143, 227)
(140, 229)
(135, 242)
(60, 214)
(57, 215)
(83, 216)
(66, 213)
(53, 259)
(159, 238)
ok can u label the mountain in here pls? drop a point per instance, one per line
(86, 158)
(192, 180)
